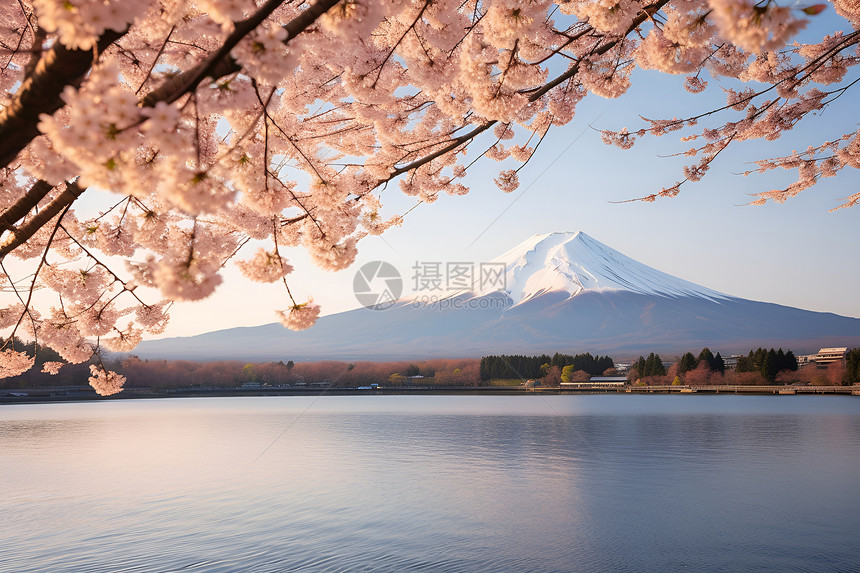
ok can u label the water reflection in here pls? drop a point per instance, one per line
(588, 483)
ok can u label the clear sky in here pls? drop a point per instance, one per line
(796, 254)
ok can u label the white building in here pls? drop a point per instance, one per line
(829, 355)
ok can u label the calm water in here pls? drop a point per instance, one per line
(432, 483)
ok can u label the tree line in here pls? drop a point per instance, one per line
(172, 374)
(768, 363)
(519, 366)
(758, 367)
(651, 366)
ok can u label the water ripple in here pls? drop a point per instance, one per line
(427, 485)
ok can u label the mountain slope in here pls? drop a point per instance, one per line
(575, 262)
(563, 292)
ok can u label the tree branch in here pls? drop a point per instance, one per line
(23, 205)
(23, 233)
(220, 64)
(40, 93)
(60, 67)
(647, 12)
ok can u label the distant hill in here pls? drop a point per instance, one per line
(563, 292)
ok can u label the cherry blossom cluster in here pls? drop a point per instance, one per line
(231, 131)
(105, 382)
(80, 23)
(300, 316)
(797, 83)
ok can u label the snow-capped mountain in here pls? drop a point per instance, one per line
(575, 262)
(562, 292)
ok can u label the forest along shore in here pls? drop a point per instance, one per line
(86, 393)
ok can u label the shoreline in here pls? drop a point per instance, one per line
(49, 395)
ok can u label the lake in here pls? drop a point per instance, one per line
(432, 483)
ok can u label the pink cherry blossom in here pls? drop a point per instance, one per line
(13, 363)
(300, 316)
(233, 131)
(508, 181)
(52, 367)
(265, 267)
(105, 382)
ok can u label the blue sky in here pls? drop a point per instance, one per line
(796, 254)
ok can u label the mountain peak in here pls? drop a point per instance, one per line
(640, 310)
(575, 262)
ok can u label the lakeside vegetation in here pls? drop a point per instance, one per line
(758, 367)
(543, 366)
(172, 374)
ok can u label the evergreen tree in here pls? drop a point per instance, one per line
(770, 366)
(687, 363)
(852, 366)
(649, 365)
(659, 369)
(707, 356)
(720, 364)
(517, 366)
(639, 366)
(746, 363)
(790, 361)
(654, 366)
(764, 367)
(767, 362)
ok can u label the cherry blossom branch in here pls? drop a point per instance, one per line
(22, 206)
(34, 96)
(10, 340)
(457, 142)
(299, 203)
(104, 266)
(278, 255)
(508, 67)
(806, 71)
(23, 233)
(42, 262)
(220, 63)
(155, 59)
(17, 47)
(411, 27)
(293, 143)
(559, 50)
(693, 174)
(40, 93)
(840, 92)
(533, 151)
(39, 37)
(476, 18)
(572, 71)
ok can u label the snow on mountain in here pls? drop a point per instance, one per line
(563, 292)
(575, 262)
